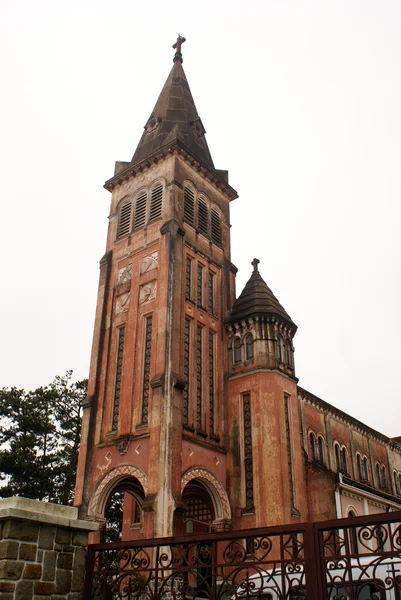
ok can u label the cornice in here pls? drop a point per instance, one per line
(343, 417)
(175, 148)
(353, 490)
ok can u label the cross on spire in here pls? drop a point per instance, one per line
(177, 48)
(255, 263)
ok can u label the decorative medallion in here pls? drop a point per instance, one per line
(122, 303)
(147, 292)
(198, 128)
(122, 444)
(125, 274)
(149, 263)
(152, 123)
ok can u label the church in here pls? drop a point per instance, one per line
(194, 414)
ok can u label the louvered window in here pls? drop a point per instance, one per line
(124, 223)
(140, 211)
(203, 217)
(216, 227)
(156, 203)
(189, 206)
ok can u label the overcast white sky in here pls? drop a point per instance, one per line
(301, 102)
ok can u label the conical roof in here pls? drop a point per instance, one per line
(174, 118)
(258, 299)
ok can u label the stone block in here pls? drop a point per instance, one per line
(68, 548)
(24, 590)
(7, 586)
(49, 566)
(9, 549)
(27, 552)
(63, 582)
(32, 571)
(63, 536)
(11, 569)
(64, 560)
(39, 556)
(46, 537)
(76, 596)
(21, 530)
(6, 596)
(78, 574)
(80, 538)
(44, 588)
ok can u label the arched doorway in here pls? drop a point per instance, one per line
(199, 513)
(123, 511)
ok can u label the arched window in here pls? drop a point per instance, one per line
(287, 353)
(352, 535)
(365, 469)
(249, 347)
(395, 479)
(344, 460)
(237, 350)
(384, 479)
(140, 210)
(156, 198)
(312, 445)
(279, 349)
(338, 457)
(320, 450)
(124, 219)
(216, 227)
(378, 475)
(360, 467)
(399, 484)
(189, 206)
(203, 217)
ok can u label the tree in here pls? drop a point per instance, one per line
(39, 439)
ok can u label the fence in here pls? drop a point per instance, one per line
(346, 559)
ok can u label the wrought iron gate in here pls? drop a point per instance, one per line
(346, 559)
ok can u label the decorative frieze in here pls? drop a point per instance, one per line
(122, 303)
(125, 274)
(147, 292)
(149, 263)
(211, 293)
(188, 279)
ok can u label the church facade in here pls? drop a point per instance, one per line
(194, 412)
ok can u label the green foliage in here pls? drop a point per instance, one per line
(39, 440)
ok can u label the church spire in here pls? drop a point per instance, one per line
(175, 119)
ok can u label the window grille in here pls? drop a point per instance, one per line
(124, 224)
(188, 279)
(211, 381)
(203, 217)
(140, 211)
(146, 371)
(119, 372)
(189, 206)
(199, 378)
(200, 286)
(211, 293)
(216, 227)
(248, 467)
(187, 329)
(156, 203)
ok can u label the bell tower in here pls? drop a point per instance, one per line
(154, 424)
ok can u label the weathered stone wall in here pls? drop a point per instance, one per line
(42, 555)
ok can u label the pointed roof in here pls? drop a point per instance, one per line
(174, 118)
(258, 299)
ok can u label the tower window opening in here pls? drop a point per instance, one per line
(200, 286)
(384, 479)
(344, 461)
(216, 227)
(189, 206)
(279, 350)
(211, 293)
(140, 211)
(156, 203)
(320, 450)
(237, 351)
(249, 347)
(203, 217)
(124, 223)
(312, 443)
(360, 467)
(188, 279)
(365, 469)
(338, 457)
(287, 353)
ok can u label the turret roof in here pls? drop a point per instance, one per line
(258, 299)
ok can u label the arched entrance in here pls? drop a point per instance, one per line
(199, 513)
(123, 511)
